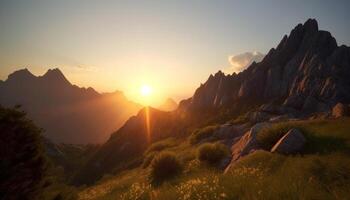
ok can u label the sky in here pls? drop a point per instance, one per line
(172, 46)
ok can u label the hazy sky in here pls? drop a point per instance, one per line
(171, 45)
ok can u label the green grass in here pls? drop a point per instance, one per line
(201, 134)
(164, 166)
(321, 171)
(161, 145)
(322, 135)
(212, 154)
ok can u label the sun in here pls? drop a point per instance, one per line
(146, 90)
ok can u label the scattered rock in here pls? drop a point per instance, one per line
(281, 118)
(340, 110)
(270, 108)
(292, 142)
(247, 144)
(228, 131)
(256, 117)
(224, 163)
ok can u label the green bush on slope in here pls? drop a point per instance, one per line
(164, 166)
(212, 154)
(201, 134)
(161, 145)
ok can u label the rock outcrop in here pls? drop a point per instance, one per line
(307, 71)
(292, 142)
(340, 110)
(247, 143)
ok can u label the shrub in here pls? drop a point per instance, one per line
(202, 134)
(268, 137)
(161, 145)
(164, 166)
(212, 154)
(241, 119)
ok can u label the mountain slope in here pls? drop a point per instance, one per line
(127, 144)
(168, 105)
(307, 71)
(67, 113)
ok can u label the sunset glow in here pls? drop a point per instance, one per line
(145, 90)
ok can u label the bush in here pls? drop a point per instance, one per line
(202, 134)
(164, 166)
(212, 154)
(161, 145)
(241, 119)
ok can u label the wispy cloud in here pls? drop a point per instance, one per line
(241, 61)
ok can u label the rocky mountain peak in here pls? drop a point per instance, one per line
(311, 25)
(55, 76)
(21, 75)
(307, 70)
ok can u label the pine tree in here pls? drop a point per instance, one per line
(22, 159)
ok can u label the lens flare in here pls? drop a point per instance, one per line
(148, 124)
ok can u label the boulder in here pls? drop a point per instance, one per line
(292, 142)
(228, 131)
(247, 143)
(340, 110)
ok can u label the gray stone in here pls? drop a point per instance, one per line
(292, 142)
(256, 117)
(340, 110)
(247, 144)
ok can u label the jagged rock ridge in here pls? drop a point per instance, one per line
(306, 71)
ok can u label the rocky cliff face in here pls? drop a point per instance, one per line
(306, 71)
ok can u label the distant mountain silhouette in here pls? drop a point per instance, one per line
(168, 105)
(307, 72)
(67, 112)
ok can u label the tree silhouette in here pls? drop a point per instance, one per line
(22, 160)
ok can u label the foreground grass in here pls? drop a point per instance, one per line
(322, 171)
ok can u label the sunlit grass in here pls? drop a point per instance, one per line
(322, 171)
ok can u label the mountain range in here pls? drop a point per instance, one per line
(306, 73)
(66, 112)
(168, 105)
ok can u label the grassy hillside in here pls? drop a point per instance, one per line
(321, 171)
